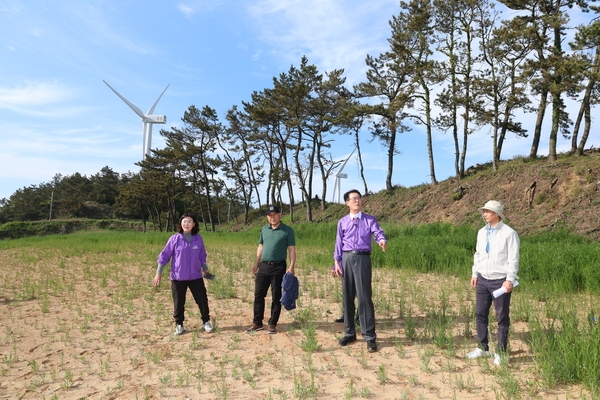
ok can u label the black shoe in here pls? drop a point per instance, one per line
(371, 346)
(339, 320)
(346, 340)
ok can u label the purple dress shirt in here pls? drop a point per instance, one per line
(355, 234)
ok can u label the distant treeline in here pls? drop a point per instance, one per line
(104, 196)
(16, 230)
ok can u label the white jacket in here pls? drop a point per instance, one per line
(503, 260)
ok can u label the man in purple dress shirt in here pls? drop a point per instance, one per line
(353, 251)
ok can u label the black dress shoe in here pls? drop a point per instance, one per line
(371, 346)
(339, 320)
(346, 340)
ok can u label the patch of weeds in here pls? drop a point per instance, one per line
(413, 380)
(34, 366)
(381, 374)
(165, 380)
(363, 359)
(410, 329)
(44, 303)
(540, 198)
(426, 360)
(310, 343)
(248, 377)
(365, 392)
(399, 347)
(234, 342)
(10, 359)
(67, 382)
(304, 390)
(351, 391)
(304, 316)
(509, 385)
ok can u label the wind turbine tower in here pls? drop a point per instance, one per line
(148, 119)
(338, 178)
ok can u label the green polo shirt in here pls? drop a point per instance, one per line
(276, 241)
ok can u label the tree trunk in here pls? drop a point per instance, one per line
(585, 109)
(586, 131)
(388, 179)
(429, 139)
(556, 107)
(537, 132)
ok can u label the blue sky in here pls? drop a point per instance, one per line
(58, 117)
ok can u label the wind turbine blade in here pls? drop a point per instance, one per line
(151, 110)
(344, 164)
(131, 105)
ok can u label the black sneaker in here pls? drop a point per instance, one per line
(340, 320)
(346, 340)
(371, 346)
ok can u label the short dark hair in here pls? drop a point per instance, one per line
(195, 229)
(349, 192)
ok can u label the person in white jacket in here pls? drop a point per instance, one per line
(495, 266)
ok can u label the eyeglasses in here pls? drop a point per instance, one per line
(355, 198)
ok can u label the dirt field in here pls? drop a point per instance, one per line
(90, 327)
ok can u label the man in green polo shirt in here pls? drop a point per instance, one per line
(276, 240)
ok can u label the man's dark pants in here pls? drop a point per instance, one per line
(483, 302)
(268, 275)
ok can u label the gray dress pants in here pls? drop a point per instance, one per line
(356, 282)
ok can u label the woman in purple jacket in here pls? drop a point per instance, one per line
(187, 254)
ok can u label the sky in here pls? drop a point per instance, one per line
(58, 117)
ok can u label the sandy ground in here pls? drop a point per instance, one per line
(97, 335)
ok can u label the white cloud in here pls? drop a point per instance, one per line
(330, 33)
(49, 99)
(186, 10)
(202, 6)
(35, 93)
(31, 93)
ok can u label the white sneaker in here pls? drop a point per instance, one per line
(478, 353)
(498, 359)
(207, 327)
(179, 330)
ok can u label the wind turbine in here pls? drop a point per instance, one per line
(148, 119)
(338, 177)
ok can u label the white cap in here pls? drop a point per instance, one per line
(494, 206)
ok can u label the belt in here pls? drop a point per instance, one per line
(360, 253)
(274, 262)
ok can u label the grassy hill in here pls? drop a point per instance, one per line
(538, 195)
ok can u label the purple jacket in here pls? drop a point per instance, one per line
(187, 258)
